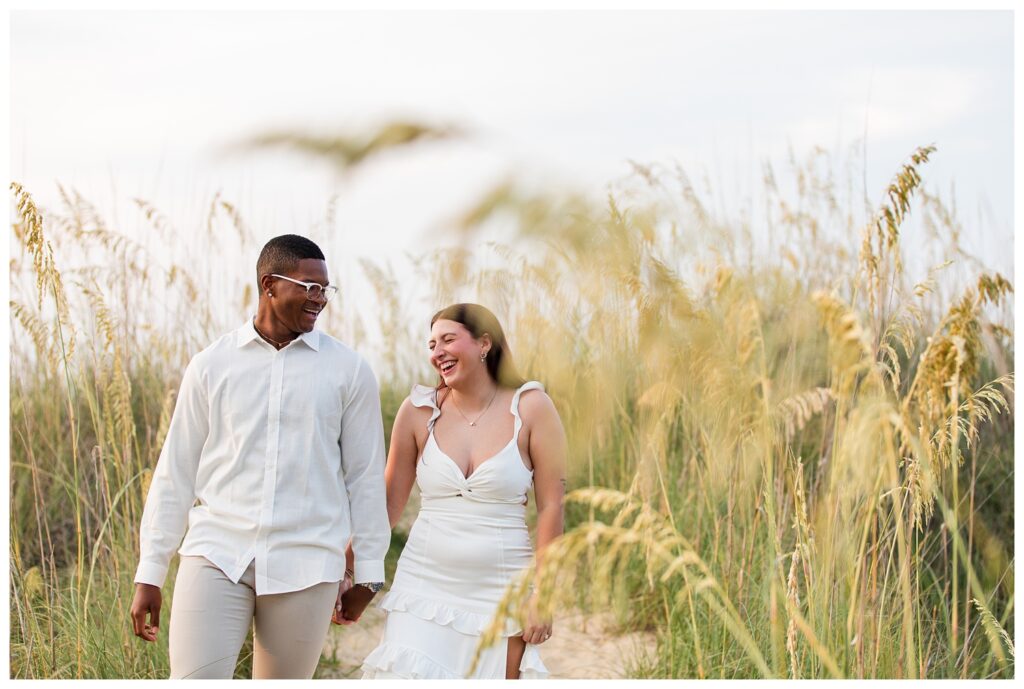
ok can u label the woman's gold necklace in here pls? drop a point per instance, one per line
(473, 423)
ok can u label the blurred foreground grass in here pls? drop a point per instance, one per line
(790, 458)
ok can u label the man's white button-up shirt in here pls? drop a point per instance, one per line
(276, 456)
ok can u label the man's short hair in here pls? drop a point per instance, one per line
(282, 254)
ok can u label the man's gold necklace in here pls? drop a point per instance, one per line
(271, 340)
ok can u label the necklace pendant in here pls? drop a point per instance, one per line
(472, 423)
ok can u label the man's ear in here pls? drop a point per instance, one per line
(265, 283)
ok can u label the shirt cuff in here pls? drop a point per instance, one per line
(368, 571)
(150, 573)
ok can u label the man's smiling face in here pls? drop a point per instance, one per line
(289, 306)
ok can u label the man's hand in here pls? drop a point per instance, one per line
(339, 611)
(147, 601)
(354, 602)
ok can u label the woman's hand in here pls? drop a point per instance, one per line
(538, 629)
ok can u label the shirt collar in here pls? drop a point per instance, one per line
(247, 333)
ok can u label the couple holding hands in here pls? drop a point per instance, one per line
(274, 462)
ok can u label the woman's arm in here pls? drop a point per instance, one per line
(399, 474)
(400, 470)
(548, 450)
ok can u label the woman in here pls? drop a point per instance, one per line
(473, 444)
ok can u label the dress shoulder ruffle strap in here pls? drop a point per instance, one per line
(530, 385)
(425, 396)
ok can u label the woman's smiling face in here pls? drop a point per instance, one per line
(454, 352)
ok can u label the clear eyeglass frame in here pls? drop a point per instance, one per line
(313, 289)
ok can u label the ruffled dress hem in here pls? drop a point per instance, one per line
(463, 621)
(413, 664)
(408, 663)
(405, 662)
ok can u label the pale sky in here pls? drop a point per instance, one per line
(140, 104)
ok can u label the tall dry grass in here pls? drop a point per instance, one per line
(790, 457)
(794, 458)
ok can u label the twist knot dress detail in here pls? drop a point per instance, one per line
(468, 542)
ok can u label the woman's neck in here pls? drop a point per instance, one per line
(475, 394)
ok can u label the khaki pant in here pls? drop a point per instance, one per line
(211, 615)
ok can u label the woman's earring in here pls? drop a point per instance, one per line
(483, 356)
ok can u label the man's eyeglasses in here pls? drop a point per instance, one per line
(313, 289)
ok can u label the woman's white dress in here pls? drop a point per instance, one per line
(468, 541)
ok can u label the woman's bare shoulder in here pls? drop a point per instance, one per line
(417, 408)
(535, 404)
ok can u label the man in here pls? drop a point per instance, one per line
(274, 458)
